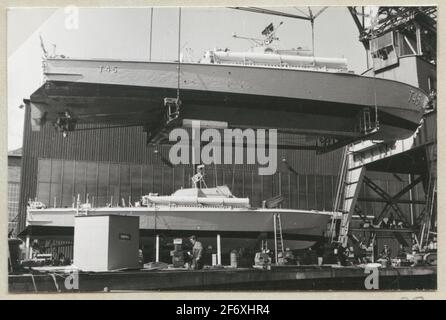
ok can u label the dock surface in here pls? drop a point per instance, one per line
(278, 278)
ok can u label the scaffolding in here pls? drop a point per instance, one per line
(359, 156)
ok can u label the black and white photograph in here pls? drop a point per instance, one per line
(227, 149)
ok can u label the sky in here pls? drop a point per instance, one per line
(124, 33)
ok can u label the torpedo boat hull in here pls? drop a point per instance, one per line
(238, 228)
(288, 99)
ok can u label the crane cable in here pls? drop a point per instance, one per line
(151, 27)
(373, 21)
(179, 53)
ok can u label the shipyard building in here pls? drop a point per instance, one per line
(14, 168)
(355, 181)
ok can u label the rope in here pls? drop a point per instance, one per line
(52, 275)
(150, 43)
(397, 279)
(376, 105)
(312, 37)
(110, 127)
(179, 52)
(374, 82)
(34, 282)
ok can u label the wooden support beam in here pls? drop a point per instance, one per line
(218, 250)
(157, 248)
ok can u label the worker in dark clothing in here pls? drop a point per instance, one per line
(385, 223)
(61, 259)
(402, 252)
(386, 253)
(358, 252)
(341, 255)
(55, 258)
(197, 254)
(35, 247)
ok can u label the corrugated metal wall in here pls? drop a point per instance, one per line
(59, 183)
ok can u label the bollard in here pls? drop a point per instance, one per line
(234, 259)
(214, 259)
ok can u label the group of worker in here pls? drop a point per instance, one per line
(43, 256)
(358, 251)
(385, 223)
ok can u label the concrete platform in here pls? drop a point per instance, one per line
(279, 278)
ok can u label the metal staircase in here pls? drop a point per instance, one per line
(430, 223)
(339, 193)
(429, 218)
(354, 175)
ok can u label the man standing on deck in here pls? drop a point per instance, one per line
(197, 253)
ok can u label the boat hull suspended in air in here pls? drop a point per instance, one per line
(296, 100)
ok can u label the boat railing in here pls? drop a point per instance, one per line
(196, 205)
(283, 66)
